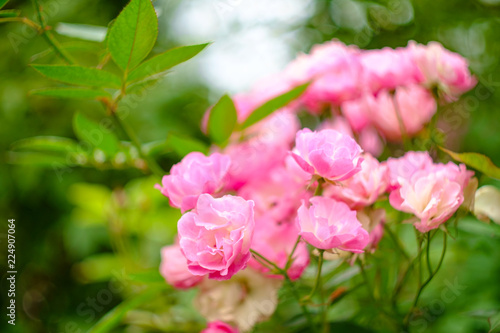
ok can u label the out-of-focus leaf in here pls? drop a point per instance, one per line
(79, 75)
(91, 200)
(36, 159)
(115, 316)
(46, 144)
(99, 267)
(222, 120)
(3, 3)
(75, 46)
(164, 61)
(10, 13)
(147, 277)
(148, 83)
(475, 227)
(477, 161)
(71, 93)
(92, 33)
(183, 146)
(274, 104)
(98, 136)
(156, 148)
(133, 34)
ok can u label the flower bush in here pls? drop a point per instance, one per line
(281, 208)
(320, 195)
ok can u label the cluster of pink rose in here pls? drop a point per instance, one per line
(275, 188)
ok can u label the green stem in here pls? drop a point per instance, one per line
(431, 276)
(289, 281)
(317, 281)
(152, 165)
(428, 259)
(319, 189)
(365, 278)
(290, 257)
(396, 242)
(49, 38)
(24, 20)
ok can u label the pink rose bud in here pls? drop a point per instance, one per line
(219, 327)
(330, 224)
(364, 188)
(174, 268)
(327, 153)
(432, 194)
(216, 236)
(194, 175)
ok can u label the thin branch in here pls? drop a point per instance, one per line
(50, 38)
(24, 20)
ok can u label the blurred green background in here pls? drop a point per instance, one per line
(78, 228)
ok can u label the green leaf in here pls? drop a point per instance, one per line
(36, 159)
(222, 120)
(71, 93)
(133, 34)
(10, 13)
(147, 277)
(114, 317)
(78, 75)
(183, 146)
(274, 104)
(88, 32)
(156, 148)
(3, 3)
(46, 144)
(165, 61)
(97, 135)
(477, 161)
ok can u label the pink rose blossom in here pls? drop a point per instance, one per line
(371, 142)
(276, 195)
(388, 68)
(194, 175)
(357, 113)
(373, 221)
(174, 268)
(335, 71)
(407, 165)
(327, 153)
(215, 237)
(219, 327)
(329, 224)
(363, 188)
(441, 67)
(275, 242)
(266, 146)
(432, 194)
(415, 104)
